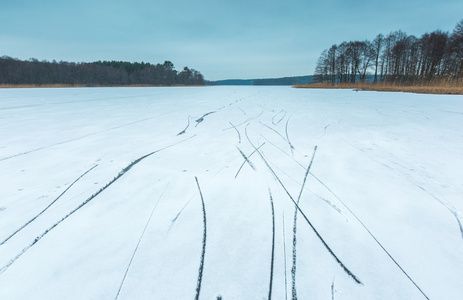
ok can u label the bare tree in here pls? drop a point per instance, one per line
(366, 57)
(331, 56)
(321, 70)
(398, 58)
(377, 47)
(456, 49)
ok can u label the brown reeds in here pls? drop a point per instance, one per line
(443, 87)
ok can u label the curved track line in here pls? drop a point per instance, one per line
(74, 139)
(237, 131)
(292, 157)
(184, 130)
(118, 176)
(244, 162)
(274, 131)
(348, 272)
(284, 253)
(287, 137)
(246, 159)
(244, 122)
(139, 241)
(91, 134)
(198, 121)
(284, 115)
(45, 209)
(273, 246)
(201, 265)
(293, 269)
(373, 237)
(188, 202)
(332, 289)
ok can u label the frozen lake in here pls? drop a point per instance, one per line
(173, 193)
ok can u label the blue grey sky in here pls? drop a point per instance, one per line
(222, 39)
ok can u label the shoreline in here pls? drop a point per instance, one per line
(34, 86)
(417, 89)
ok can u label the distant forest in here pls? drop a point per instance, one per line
(100, 73)
(395, 58)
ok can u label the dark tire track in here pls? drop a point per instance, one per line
(179, 213)
(47, 207)
(248, 120)
(371, 235)
(447, 205)
(346, 270)
(139, 241)
(377, 110)
(287, 137)
(138, 244)
(83, 136)
(284, 253)
(459, 223)
(293, 269)
(117, 177)
(297, 162)
(277, 122)
(184, 130)
(284, 152)
(247, 159)
(452, 112)
(332, 289)
(188, 202)
(275, 132)
(237, 131)
(324, 131)
(19, 106)
(203, 253)
(273, 246)
(198, 121)
(242, 110)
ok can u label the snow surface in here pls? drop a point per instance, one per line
(99, 200)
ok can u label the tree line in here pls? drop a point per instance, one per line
(106, 73)
(395, 58)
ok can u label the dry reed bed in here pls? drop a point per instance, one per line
(443, 89)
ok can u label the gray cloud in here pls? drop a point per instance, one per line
(222, 39)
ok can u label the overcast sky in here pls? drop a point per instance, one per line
(222, 39)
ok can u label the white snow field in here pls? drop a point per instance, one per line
(159, 193)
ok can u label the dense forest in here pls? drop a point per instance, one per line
(396, 58)
(100, 73)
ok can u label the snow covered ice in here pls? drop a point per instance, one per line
(99, 198)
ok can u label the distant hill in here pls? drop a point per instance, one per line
(265, 81)
(285, 80)
(231, 82)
